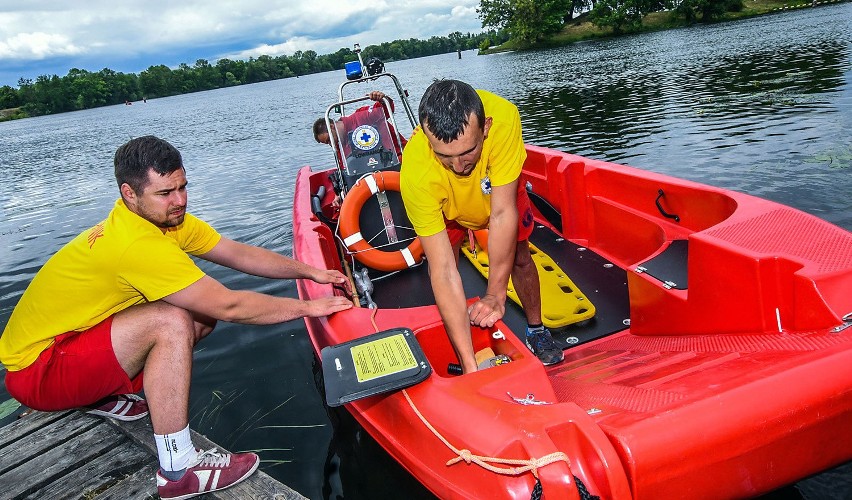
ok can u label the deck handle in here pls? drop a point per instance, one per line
(662, 211)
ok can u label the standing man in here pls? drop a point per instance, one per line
(124, 298)
(461, 170)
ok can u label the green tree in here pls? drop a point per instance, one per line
(255, 71)
(625, 15)
(620, 15)
(297, 64)
(86, 90)
(9, 97)
(456, 38)
(183, 80)
(283, 67)
(230, 79)
(236, 69)
(528, 21)
(207, 77)
(155, 81)
(341, 57)
(47, 95)
(120, 86)
(496, 13)
(708, 10)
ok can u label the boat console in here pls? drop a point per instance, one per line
(369, 222)
(367, 139)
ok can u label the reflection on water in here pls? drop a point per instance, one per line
(762, 106)
(764, 112)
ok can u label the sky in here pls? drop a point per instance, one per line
(50, 37)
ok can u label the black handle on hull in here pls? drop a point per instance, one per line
(662, 211)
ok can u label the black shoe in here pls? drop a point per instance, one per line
(541, 343)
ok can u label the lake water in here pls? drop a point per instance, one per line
(762, 106)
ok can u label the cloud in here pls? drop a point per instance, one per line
(133, 34)
(326, 30)
(37, 46)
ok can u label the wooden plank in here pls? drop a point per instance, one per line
(42, 470)
(24, 426)
(138, 486)
(73, 455)
(259, 486)
(41, 438)
(111, 468)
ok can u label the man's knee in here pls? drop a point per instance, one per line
(159, 319)
(162, 322)
(196, 325)
(174, 322)
(173, 314)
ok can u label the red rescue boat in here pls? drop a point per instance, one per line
(718, 362)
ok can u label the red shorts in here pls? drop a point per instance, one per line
(526, 222)
(78, 369)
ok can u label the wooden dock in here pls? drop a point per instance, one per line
(74, 455)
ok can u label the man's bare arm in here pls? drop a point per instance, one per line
(502, 236)
(266, 263)
(449, 296)
(209, 297)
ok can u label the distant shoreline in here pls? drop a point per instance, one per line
(581, 29)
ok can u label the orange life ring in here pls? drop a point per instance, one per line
(350, 229)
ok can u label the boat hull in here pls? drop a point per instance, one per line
(716, 387)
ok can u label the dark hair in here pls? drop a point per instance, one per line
(320, 128)
(134, 159)
(446, 106)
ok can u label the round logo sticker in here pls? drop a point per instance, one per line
(485, 184)
(365, 137)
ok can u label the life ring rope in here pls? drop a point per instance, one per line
(350, 231)
(355, 238)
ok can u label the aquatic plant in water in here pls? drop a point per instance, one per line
(837, 158)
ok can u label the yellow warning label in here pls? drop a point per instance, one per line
(382, 357)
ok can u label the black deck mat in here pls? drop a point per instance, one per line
(603, 283)
(670, 265)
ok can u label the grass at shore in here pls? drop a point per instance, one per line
(11, 114)
(581, 28)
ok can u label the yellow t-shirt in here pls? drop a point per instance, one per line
(123, 261)
(432, 193)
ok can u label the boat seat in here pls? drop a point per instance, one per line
(367, 144)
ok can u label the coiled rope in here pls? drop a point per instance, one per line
(530, 465)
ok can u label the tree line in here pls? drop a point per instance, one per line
(81, 89)
(529, 22)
